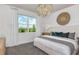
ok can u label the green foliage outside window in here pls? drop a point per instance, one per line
(26, 24)
(21, 30)
(33, 29)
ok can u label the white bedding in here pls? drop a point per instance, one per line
(54, 48)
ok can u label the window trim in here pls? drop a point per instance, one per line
(28, 23)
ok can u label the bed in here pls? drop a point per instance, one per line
(54, 45)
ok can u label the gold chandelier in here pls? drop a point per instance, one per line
(44, 9)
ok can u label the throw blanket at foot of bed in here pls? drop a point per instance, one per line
(56, 45)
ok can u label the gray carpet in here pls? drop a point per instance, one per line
(24, 49)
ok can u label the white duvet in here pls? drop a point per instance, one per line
(54, 48)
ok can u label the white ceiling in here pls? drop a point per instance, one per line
(32, 7)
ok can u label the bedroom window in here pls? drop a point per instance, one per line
(26, 23)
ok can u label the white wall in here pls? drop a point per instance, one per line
(28, 36)
(9, 26)
(73, 11)
(73, 26)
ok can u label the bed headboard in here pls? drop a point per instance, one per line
(70, 29)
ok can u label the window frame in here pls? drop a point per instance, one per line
(28, 23)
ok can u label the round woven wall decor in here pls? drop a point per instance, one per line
(63, 18)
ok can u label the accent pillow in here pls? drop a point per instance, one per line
(60, 34)
(45, 33)
(55, 33)
(52, 33)
(71, 35)
(65, 35)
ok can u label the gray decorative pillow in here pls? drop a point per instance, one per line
(71, 35)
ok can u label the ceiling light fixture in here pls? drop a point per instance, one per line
(44, 9)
